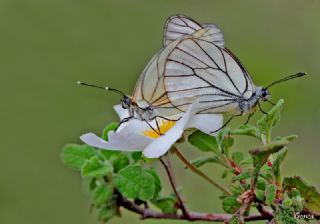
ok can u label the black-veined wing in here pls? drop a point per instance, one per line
(150, 89)
(156, 89)
(199, 69)
(178, 26)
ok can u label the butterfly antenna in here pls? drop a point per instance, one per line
(100, 87)
(287, 78)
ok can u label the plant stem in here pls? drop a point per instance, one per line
(168, 167)
(200, 173)
(147, 213)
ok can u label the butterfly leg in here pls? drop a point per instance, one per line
(272, 103)
(158, 132)
(167, 119)
(158, 126)
(124, 120)
(260, 108)
(227, 122)
(249, 117)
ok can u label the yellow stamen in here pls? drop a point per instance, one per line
(164, 126)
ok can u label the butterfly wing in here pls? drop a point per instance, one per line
(199, 69)
(193, 65)
(150, 89)
(178, 26)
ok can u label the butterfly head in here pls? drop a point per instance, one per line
(264, 94)
(127, 102)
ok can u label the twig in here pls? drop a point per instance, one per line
(168, 167)
(147, 213)
(200, 173)
(264, 211)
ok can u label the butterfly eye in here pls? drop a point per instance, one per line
(127, 101)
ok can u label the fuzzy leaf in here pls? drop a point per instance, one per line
(289, 138)
(204, 142)
(260, 194)
(242, 176)
(230, 204)
(247, 129)
(106, 213)
(102, 194)
(260, 156)
(167, 205)
(277, 162)
(284, 215)
(157, 182)
(287, 202)
(121, 161)
(261, 184)
(270, 194)
(134, 182)
(227, 143)
(136, 156)
(204, 160)
(271, 119)
(96, 168)
(74, 155)
(310, 194)
(110, 127)
(237, 157)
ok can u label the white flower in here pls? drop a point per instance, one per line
(136, 135)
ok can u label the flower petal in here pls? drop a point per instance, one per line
(206, 123)
(122, 113)
(118, 141)
(162, 144)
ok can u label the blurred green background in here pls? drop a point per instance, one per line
(47, 45)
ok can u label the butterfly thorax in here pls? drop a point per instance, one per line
(260, 94)
(139, 112)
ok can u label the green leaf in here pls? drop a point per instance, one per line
(284, 215)
(134, 182)
(106, 213)
(277, 162)
(102, 194)
(247, 129)
(204, 142)
(236, 190)
(227, 143)
(260, 156)
(287, 202)
(266, 175)
(288, 138)
(235, 220)
(136, 156)
(260, 194)
(270, 194)
(246, 161)
(298, 203)
(237, 157)
(204, 160)
(120, 162)
(96, 168)
(270, 120)
(242, 176)
(110, 127)
(167, 205)
(261, 184)
(157, 182)
(75, 155)
(310, 194)
(230, 204)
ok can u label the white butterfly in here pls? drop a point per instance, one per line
(193, 65)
